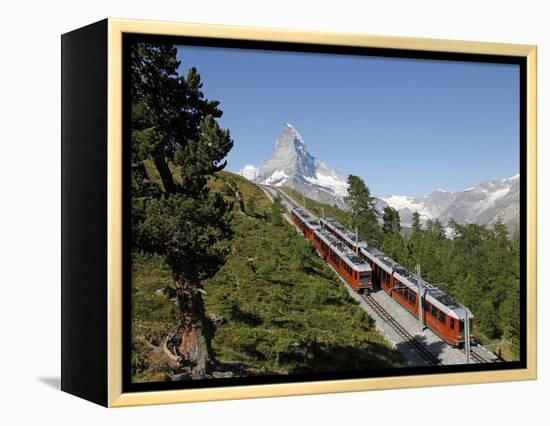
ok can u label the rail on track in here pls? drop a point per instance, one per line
(407, 337)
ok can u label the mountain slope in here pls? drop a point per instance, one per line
(290, 164)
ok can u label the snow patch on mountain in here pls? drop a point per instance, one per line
(495, 196)
(400, 202)
(278, 178)
(331, 181)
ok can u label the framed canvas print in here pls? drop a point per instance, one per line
(254, 212)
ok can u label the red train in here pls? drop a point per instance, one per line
(441, 313)
(351, 267)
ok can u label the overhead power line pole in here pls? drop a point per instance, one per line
(467, 336)
(420, 307)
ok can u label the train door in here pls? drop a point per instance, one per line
(375, 274)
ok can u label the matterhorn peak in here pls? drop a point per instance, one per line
(290, 137)
(291, 129)
(290, 164)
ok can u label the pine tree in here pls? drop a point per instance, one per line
(435, 229)
(416, 226)
(391, 220)
(359, 198)
(251, 207)
(363, 213)
(174, 127)
(277, 210)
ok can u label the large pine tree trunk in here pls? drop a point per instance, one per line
(194, 329)
(165, 174)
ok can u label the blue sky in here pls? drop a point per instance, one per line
(405, 126)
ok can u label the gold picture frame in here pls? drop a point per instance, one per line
(115, 29)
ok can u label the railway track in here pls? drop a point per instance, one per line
(477, 357)
(407, 337)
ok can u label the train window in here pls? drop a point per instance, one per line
(427, 307)
(413, 298)
(406, 293)
(452, 325)
(461, 326)
(434, 311)
(442, 317)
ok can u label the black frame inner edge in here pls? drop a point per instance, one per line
(128, 38)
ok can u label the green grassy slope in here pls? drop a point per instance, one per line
(278, 308)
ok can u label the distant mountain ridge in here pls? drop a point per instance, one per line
(290, 164)
(482, 204)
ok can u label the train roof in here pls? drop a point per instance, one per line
(343, 251)
(433, 295)
(306, 218)
(343, 231)
(386, 263)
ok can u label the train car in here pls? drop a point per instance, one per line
(382, 266)
(304, 222)
(441, 313)
(354, 270)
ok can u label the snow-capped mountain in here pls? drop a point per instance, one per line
(481, 204)
(290, 164)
